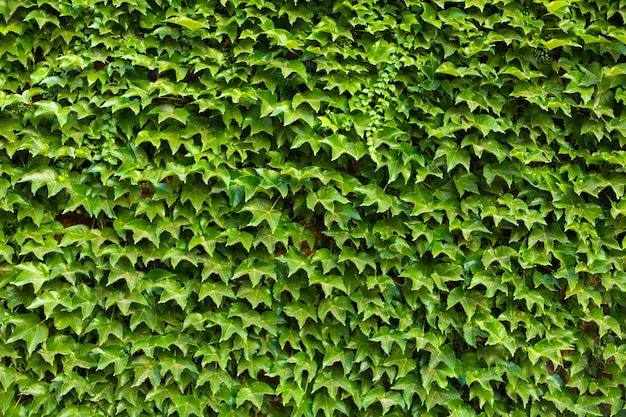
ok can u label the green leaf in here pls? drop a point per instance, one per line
(119, 103)
(145, 368)
(187, 405)
(375, 195)
(301, 312)
(338, 306)
(332, 380)
(387, 337)
(328, 405)
(30, 329)
(387, 399)
(112, 354)
(558, 43)
(168, 111)
(45, 176)
(497, 333)
(255, 270)
(7, 376)
(340, 144)
(404, 365)
(470, 300)
(455, 155)
(292, 115)
(313, 98)
(328, 282)
(186, 22)
(49, 300)
(360, 260)
(50, 107)
(176, 365)
(287, 67)
(262, 210)
(327, 196)
(172, 290)
(36, 274)
(105, 327)
(341, 215)
(440, 396)
(217, 291)
(296, 261)
(253, 393)
(556, 7)
(502, 255)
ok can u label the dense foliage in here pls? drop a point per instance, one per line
(298, 208)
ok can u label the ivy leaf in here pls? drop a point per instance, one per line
(49, 300)
(387, 399)
(440, 396)
(313, 98)
(187, 405)
(387, 337)
(217, 291)
(301, 312)
(497, 333)
(30, 329)
(502, 255)
(403, 364)
(341, 215)
(556, 7)
(176, 365)
(263, 209)
(105, 326)
(119, 103)
(296, 261)
(455, 155)
(470, 301)
(253, 393)
(172, 290)
(328, 282)
(36, 274)
(292, 115)
(341, 144)
(332, 380)
(45, 176)
(235, 235)
(79, 196)
(146, 368)
(327, 196)
(255, 270)
(216, 378)
(112, 354)
(71, 319)
(7, 376)
(421, 198)
(375, 195)
(168, 111)
(287, 67)
(230, 326)
(255, 296)
(328, 405)
(360, 260)
(338, 306)
(186, 22)
(50, 107)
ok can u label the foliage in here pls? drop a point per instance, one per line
(256, 207)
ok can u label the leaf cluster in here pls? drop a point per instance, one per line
(272, 208)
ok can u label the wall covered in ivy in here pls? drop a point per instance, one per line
(312, 208)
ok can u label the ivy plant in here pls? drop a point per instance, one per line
(306, 208)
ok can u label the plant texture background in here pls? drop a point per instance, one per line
(312, 208)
